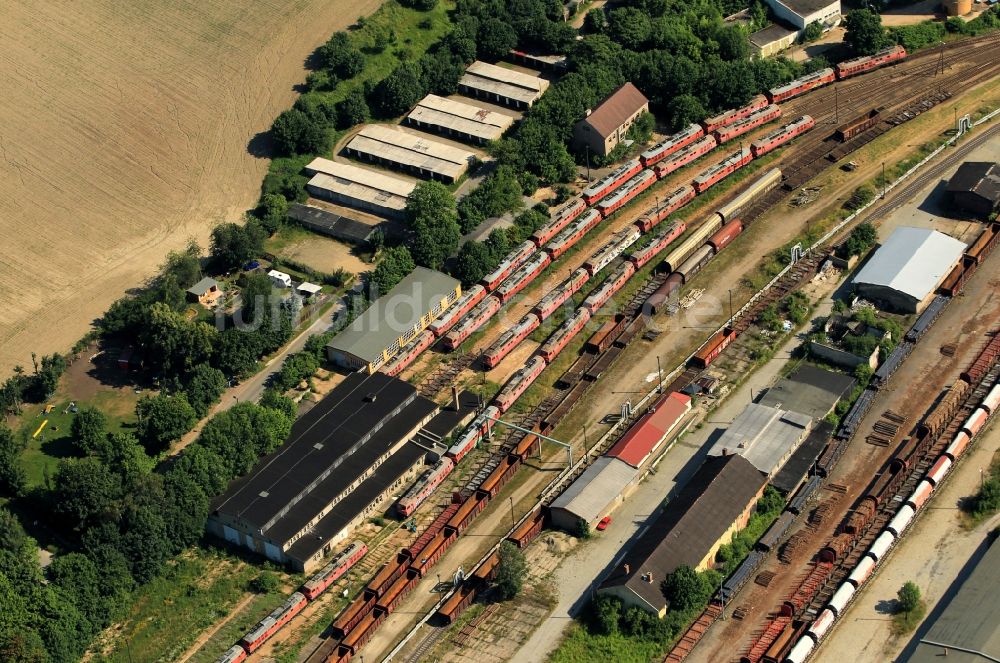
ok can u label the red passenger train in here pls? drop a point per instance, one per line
(556, 297)
(510, 339)
(671, 144)
(561, 217)
(611, 181)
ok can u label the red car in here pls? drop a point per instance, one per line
(603, 525)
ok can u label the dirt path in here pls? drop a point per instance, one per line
(123, 133)
(204, 637)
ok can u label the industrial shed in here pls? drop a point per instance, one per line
(606, 126)
(646, 435)
(459, 120)
(975, 187)
(715, 503)
(393, 320)
(502, 85)
(773, 39)
(593, 494)
(766, 436)
(341, 462)
(333, 225)
(361, 188)
(404, 151)
(801, 13)
(905, 272)
(967, 628)
(809, 390)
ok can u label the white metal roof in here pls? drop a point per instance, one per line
(461, 109)
(509, 76)
(764, 435)
(600, 484)
(912, 261)
(404, 148)
(311, 288)
(351, 174)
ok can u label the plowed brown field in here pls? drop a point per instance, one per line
(124, 131)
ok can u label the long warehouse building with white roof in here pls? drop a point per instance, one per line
(459, 120)
(405, 151)
(361, 188)
(502, 85)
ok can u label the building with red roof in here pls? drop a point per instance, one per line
(649, 432)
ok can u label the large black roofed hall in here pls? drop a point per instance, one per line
(350, 442)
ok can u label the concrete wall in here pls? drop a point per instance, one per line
(842, 357)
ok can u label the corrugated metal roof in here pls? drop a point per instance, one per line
(689, 526)
(650, 430)
(203, 286)
(509, 76)
(373, 179)
(970, 620)
(412, 298)
(600, 484)
(763, 435)
(616, 109)
(912, 261)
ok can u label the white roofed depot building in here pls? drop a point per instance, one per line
(801, 13)
(904, 273)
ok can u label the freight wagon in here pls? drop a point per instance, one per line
(657, 301)
(856, 66)
(602, 338)
(507, 468)
(462, 305)
(609, 288)
(725, 235)
(671, 144)
(362, 633)
(735, 115)
(556, 297)
(528, 530)
(408, 353)
(397, 592)
(614, 247)
(752, 121)
(659, 243)
(695, 262)
(711, 350)
(661, 210)
(721, 170)
(801, 85)
(572, 233)
(697, 237)
(470, 509)
(433, 552)
(388, 573)
(338, 566)
(424, 486)
(611, 181)
(518, 383)
(735, 207)
(564, 334)
(471, 322)
(561, 217)
(689, 154)
(858, 125)
(780, 136)
(510, 340)
(511, 261)
(524, 275)
(359, 608)
(626, 193)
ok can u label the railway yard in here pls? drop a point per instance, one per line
(524, 329)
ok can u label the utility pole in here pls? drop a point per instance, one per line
(513, 520)
(730, 306)
(883, 180)
(659, 375)
(836, 105)
(587, 147)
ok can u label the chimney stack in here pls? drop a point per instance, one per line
(454, 397)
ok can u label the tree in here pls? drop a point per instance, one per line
(275, 400)
(629, 27)
(341, 57)
(256, 300)
(474, 262)
(89, 429)
(233, 245)
(236, 352)
(396, 263)
(420, 5)
(175, 343)
(163, 419)
(683, 110)
(399, 91)
(85, 492)
(733, 43)
(353, 110)
(123, 454)
(511, 570)
(295, 132)
(686, 589)
(496, 38)
(13, 478)
(433, 224)
(812, 32)
(908, 597)
(606, 611)
(596, 21)
(272, 212)
(240, 436)
(861, 239)
(186, 509)
(864, 32)
(204, 387)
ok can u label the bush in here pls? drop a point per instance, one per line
(863, 195)
(264, 583)
(511, 570)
